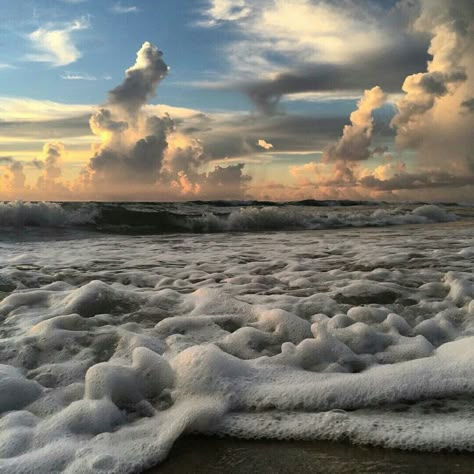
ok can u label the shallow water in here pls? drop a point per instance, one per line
(203, 455)
(114, 346)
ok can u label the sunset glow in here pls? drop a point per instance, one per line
(270, 100)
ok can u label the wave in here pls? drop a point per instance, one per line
(44, 214)
(202, 217)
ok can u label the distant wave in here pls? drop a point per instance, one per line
(45, 214)
(219, 216)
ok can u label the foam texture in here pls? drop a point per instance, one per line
(114, 346)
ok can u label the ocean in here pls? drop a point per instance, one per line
(126, 327)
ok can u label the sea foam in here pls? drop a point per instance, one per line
(114, 346)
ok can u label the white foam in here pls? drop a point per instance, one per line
(114, 347)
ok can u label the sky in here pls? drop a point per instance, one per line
(169, 100)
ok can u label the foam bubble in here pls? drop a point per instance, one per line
(114, 347)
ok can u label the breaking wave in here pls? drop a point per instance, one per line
(220, 216)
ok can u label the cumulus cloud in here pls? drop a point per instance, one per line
(141, 80)
(118, 160)
(229, 181)
(225, 10)
(49, 184)
(50, 162)
(142, 155)
(56, 45)
(265, 145)
(431, 96)
(133, 143)
(52, 155)
(357, 137)
(12, 177)
(16, 176)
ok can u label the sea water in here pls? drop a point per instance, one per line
(124, 326)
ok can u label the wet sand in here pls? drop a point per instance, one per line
(198, 454)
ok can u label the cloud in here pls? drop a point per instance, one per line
(51, 165)
(265, 145)
(333, 78)
(145, 156)
(25, 109)
(298, 46)
(448, 74)
(468, 105)
(133, 143)
(71, 76)
(13, 181)
(13, 178)
(429, 179)
(121, 9)
(6, 160)
(225, 11)
(55, 45)
(139, 163)
(228, 181)
(141, 80)
(6, 66)
(357, 137)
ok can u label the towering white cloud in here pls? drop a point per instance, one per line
(142, 155)
(357, 137)
(141, 80)
(433, 117)
(133, 143)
